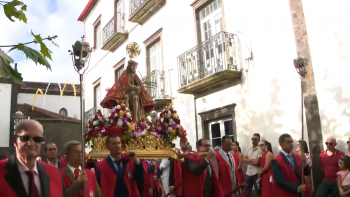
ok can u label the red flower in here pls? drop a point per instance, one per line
(94, 134)
(166, 120)
(95, 116)
(123, 108)
(116, 131)
(129, 120)
(113, 124)
(112, 114)
(125, 116)
(177, 121)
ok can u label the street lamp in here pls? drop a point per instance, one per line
(81, 60)
(300, 64)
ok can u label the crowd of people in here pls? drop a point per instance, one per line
(207, 172)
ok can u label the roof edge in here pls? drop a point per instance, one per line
(87, 10)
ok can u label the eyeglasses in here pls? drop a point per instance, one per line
(329, 143)
(255, 139)
(26, 138)
(340, 162)
(261, 145)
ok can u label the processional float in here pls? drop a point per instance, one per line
(129, 104)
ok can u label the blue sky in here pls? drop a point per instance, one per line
(48, 18)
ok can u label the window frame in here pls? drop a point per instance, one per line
(64, 109)
(95, 86)
(118, 66)
(149, 42)
(97, 24)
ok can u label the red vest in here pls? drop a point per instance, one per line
(194, 186)
(288, 174)
(225, 174)
(178, 177)
(108, 179)
(149, 179)
(90, 184)
(56, 188)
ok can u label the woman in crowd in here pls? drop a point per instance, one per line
(238, 157)
(302, 148)
(265, 174)
(344, 176)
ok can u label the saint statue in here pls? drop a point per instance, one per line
(129, 87)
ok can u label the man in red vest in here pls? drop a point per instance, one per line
(75, 180)
(286, 171)
(176, 169)
(21, 175)
(117, 173)
(225, 167)
(199, 174)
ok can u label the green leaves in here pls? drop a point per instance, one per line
(43, 49)
(33, 55)
(11, 11)
(7, 70)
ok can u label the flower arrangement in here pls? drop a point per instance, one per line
(169, 124)
(121, 123)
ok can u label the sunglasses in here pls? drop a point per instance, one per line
(329, 143)
(255, 139)
(260, 145)
(26, 138)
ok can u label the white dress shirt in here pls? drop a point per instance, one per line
(73, 169)
(22, 170)
(165, 164)
(56, 164)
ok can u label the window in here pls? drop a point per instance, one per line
(155, 56)
(118, 72)
(119, 15)
(97, 96)
(218, 129)
(63, 112)
(97, 34)
(210, 20)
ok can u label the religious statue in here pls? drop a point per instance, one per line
(129, 87)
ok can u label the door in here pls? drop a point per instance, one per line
(218, 129)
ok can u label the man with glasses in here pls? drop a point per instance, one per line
(329, 162)
(51, 155)
(21, 175)
(252, 157)
(199, 174)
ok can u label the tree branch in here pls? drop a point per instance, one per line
(25, 43)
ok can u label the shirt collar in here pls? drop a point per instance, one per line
(286, 154)
(23, 168)
(335, 152)
(48, 161)
(254, 149)
(114, 158)
(72, 168)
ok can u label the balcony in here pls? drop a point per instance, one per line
(156, 84)
(141, 10)
(213, 63)
(89, 114)
(114, 34)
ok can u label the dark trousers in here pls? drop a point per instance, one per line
(327, 188)
(250, 181)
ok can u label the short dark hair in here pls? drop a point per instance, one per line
(199, 143)
(282, 138)
(257, 134)
(225, 137)
(48, 143)
(109, 137)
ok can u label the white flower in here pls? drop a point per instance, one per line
(114, 109)
(123, 104)
(144, 133)
(128, 115)
(103, 131)
(89, 129)
(95, 123)
(120, 122)
(171, 122)
(116, 114)
(162, 119)
(112, 121)
(106, 119)
(118, 107)
(169, 113)
(170, 129)
(128, 123)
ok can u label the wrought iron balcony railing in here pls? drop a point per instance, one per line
(135, 4)
(115, 25)
(218, 53)
(89, 115)
(156, 84)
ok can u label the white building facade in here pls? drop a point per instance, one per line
(226, 65)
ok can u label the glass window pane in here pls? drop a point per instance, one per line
(216, 142)
(228, 127)
(215, 130)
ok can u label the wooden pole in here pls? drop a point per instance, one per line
(313, 120)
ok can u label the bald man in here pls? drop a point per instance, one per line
(22, 175)
(329, 162)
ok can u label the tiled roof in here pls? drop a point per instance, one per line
(87, 9)
(54, 89)
(48, 113)
(53, 119)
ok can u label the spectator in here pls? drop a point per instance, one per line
(51, 155)
(302, 148)
(344, 176)
(238, 157)
(329, 161)
(264, 176)
(251, 157)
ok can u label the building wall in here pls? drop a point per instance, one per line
(5, 113)
(268, 96)
(53, 103)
